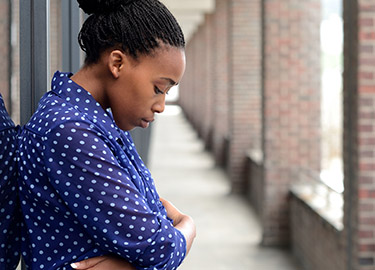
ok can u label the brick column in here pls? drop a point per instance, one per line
(244, 86)
(359, 133)
(291, 118)
(204, 92)
(221, 83)
(210, 69)
(200, 92)
(192, 90)
(186, 91)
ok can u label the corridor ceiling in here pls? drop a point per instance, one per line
(189, 13)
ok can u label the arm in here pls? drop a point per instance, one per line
(103, 263)
(182, 222)
(108, 191)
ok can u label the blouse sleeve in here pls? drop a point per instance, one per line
(103, 196)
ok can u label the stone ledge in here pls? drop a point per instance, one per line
(256, 156)
(324, 201)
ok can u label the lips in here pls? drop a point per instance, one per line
(146, 122)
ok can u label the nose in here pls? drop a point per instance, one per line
(159, 106)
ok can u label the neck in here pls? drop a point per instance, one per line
(93, 81)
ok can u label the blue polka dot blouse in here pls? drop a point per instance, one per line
(9, 207)
(85, 191)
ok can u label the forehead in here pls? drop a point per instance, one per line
(168, 62)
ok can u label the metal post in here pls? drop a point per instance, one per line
(70, 29)
(142, 138)
(34, 54)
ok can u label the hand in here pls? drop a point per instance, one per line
(103, 263)
(172, 212)
(182, 222)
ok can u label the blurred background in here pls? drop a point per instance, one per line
(269, 139)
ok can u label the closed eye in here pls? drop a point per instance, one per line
(158, 91)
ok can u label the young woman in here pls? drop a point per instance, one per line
(85, 192)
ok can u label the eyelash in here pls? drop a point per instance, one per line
(157, 90)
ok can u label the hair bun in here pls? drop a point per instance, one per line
(102, 6)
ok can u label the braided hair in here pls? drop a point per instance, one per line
(134, 26)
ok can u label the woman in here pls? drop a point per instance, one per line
(84, 190)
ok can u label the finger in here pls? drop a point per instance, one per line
(163, 200)
(87, 263)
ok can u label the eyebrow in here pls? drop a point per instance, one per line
(172, 82)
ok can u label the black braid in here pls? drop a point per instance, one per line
(136, 28)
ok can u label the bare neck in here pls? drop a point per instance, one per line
(93, 79)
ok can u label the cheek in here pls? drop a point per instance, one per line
(142, 97)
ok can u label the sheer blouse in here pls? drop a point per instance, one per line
(85, 191)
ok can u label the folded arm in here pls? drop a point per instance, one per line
(184, 223)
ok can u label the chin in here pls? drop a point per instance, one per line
(125, 127)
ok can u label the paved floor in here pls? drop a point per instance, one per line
(228, 233)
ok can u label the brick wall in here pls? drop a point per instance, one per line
(255, 185)
(221, 84)
(200, 90)
(224, 77)
(291, 105)
(291, 117)
(359, 135)
(209, 67)
(195, 93)
(186, 86)
(204, 87)
(316, 243)
(244, 86)
(246, 96)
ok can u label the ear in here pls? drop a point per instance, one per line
(116, 62)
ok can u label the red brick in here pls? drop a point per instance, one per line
(367, 221)
(365, 193)
(367, 248)
(367, 8)
(366, 48)
(366, 207)
(366, 75)
(366, 234)
(366, 22)
(367, 89)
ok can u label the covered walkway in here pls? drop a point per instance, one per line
(228, 233)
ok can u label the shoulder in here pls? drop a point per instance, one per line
(53, 112)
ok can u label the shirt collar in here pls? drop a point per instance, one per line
(83, 101)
